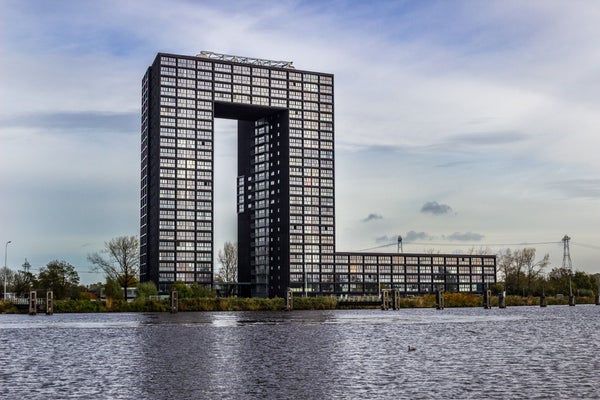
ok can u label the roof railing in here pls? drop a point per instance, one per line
(246, 60)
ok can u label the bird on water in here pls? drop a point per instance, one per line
(410, 348)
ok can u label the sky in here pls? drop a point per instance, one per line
(459, 125)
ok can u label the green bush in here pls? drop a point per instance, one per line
(6, 307)
(314, 303)
(78, 306)
(463, 300)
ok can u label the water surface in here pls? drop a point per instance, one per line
(518, 352)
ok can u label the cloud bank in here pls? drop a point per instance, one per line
(433, 207)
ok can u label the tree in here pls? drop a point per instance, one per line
(183, 290)
(480, 251)
(533, 269)
(520, 270)
(505, 268)
(228, 258)
(23, 283)
(199, 291)
(146, 289)
(60, 277)
(228, 273)
(8, 275)
(558, 280)
(121, 263)
(112, 289)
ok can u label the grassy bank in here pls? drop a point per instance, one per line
(277, 304)
(188, 304)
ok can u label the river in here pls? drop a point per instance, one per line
(518, 352)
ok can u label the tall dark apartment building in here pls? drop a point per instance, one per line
(285, 185)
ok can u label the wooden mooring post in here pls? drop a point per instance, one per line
(396, 299)
(32, 302)
(289, 300)
(390, 298)
(439, 299)
(49, 302)
(502, 299)
(487, 299)
(543, 300)
(174, 302)
(385, 299)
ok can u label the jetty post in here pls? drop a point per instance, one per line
(502, 299)
(396, 299)
(439, 299)
(174, 302)
(385, 299)
(543, 301)
(49, 302)
(32, 302)
(289, 300)
(487, 299)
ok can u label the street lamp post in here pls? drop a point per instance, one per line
(5, 267)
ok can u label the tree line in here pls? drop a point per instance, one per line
(520, 273)
(119, 261)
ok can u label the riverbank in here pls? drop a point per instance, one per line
(299, 303)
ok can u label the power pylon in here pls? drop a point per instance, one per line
(567, 264)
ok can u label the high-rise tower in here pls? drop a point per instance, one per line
(286, 217)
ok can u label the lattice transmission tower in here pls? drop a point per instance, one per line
(567, 264)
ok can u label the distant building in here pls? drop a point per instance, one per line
(285, 185)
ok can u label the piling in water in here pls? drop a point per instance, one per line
(487, 299)
(543, 301)
(32, 302)
(439, 299)
(385, 299)
(49, 302)
(174, 302)
(502, 300)
(289, 300)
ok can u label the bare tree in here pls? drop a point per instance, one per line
(504, 265)
(481, 251)
(120, 262)
(534, 268)
(520, 270)
(228, 258)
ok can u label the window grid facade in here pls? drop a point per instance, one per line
(411, 274)
(181, 97)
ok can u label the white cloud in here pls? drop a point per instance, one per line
(489, 106)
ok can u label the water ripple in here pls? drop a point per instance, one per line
(520, 352)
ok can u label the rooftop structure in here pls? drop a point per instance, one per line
(245, 60)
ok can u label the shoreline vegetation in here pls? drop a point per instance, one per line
(452, 300)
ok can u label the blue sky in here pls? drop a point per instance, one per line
(459, 125)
